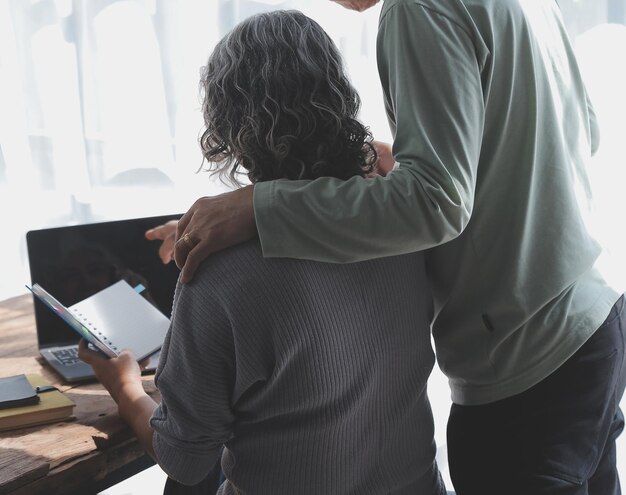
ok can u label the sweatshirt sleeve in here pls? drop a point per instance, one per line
(195, 379)
(594, 127)
(431, 77)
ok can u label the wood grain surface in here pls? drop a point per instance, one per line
(59, 457)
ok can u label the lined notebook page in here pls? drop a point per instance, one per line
(123, 319)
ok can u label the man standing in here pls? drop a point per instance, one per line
(492, 131)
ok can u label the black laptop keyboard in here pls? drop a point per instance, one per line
(66, 356)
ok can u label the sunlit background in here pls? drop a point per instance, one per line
(99, 118)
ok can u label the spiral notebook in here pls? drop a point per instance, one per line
(114, 319)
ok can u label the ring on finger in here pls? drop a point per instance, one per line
(188, 241)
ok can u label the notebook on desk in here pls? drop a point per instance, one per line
(75, 262)
(49, 404)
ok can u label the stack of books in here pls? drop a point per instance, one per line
(28, 400)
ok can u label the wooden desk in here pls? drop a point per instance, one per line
(82, 456)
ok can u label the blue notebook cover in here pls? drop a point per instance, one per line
(114, 319)
(16, 391)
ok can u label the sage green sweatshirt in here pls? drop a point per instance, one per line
(492, 134)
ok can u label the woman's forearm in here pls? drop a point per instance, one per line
(136, 408)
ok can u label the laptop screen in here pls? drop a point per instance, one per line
(74, 262)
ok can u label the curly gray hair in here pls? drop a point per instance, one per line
(278, 103)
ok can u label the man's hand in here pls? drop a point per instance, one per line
(120, 374)
(212, 224)
(385, 161)
(167, 234)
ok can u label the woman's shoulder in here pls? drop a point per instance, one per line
(234, 262)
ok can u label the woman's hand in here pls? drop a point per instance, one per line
(212, 224)
(121, 376)
(118, 375)
(165, 233)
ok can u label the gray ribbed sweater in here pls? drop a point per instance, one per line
(312, 375)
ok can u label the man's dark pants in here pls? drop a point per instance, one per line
(557, 438)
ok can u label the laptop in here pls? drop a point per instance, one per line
(74, 262)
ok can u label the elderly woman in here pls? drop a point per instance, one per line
(306, 377)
